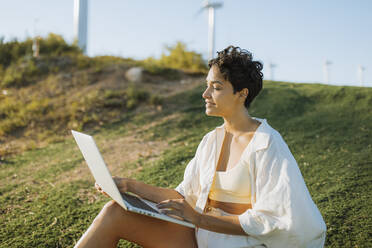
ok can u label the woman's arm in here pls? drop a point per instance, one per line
(151, 193)
(221, 224)
(148, 192)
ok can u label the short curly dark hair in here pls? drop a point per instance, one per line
(237, 66)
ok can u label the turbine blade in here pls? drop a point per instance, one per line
(199, 12)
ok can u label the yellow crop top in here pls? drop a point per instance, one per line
(232, 185)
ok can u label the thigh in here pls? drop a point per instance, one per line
(151, 232)
(206, 238)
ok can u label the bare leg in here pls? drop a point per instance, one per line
(114, 223)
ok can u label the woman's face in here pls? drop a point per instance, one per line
(219, 97)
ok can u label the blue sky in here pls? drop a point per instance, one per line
(297, 35)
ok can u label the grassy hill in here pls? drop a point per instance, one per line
(47, 196)
(150, 131)
(42, 98)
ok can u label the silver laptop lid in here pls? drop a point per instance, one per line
(97, 166)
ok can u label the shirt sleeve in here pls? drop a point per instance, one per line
(283, 214)
(189, 171)
(189, 188)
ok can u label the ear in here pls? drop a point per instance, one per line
(244, 93)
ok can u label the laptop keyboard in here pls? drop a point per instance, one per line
(136, 202)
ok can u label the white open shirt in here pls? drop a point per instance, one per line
(283, 213)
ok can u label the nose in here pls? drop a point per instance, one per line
(206, 94)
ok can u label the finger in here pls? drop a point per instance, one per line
(99, 188)
(102, 192)
(162, 202)
(166, 204)
(165, 201)
(97, 185)
(171, 212)
(173, 203)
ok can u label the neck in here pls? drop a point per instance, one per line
(239, 122)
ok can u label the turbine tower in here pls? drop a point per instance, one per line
(272, 66)
(35, 41)
(81, 23)
(361, 69)
(211, 29)
(326, 65)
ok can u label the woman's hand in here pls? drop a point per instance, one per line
(121, 183)
(98, 187)
(180, 208)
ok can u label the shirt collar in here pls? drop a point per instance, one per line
(260, 139)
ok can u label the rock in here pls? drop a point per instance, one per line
(186, 81)
(134, 74)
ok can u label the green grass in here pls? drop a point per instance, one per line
(63, 89)
(328, 129)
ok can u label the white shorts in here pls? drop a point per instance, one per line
(211, 239)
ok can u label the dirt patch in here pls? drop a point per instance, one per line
(119, 155)
(121, 152)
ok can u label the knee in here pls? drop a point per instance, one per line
(111, 207)
(110, 213)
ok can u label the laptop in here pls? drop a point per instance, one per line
(103, 177)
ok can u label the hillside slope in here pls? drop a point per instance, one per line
(47, 197)
(77, 92)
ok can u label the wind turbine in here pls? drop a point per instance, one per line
(35, 41)
(326, 65)
(81, 23)
(361, 69)
(272, 66)
(211, 29)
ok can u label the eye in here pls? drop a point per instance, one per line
(213, 88)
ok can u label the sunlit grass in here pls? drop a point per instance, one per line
(327, 128)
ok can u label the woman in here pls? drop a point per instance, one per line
(243, 188)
